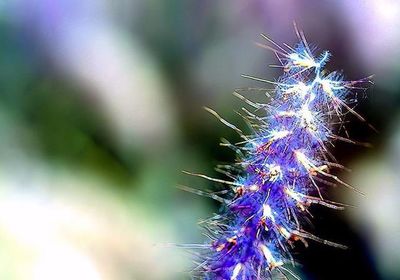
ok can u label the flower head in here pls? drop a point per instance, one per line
(281, 167)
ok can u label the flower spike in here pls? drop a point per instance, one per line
(281, 167)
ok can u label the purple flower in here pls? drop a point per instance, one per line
(280, 169)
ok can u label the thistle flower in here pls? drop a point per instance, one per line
(280, 169)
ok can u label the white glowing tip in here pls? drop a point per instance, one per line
(300, 88)
(306, 113)
(267, 212)
(272, 263)
(327, 86)
(254, 188)
(292, 194)
(300, 156)
(275, 172)
(287, 113)
(312, 97)
(307, 118)
(284, 232)
(294, 56)
(302, 61)
(236, 271)
(267, 253)
(280, 134)
(303, 160)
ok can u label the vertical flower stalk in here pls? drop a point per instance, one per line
(280, 169)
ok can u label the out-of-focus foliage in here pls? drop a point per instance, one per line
(101, 108)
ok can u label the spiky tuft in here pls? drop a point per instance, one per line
(281, 166)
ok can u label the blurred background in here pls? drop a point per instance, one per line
(101, 108)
